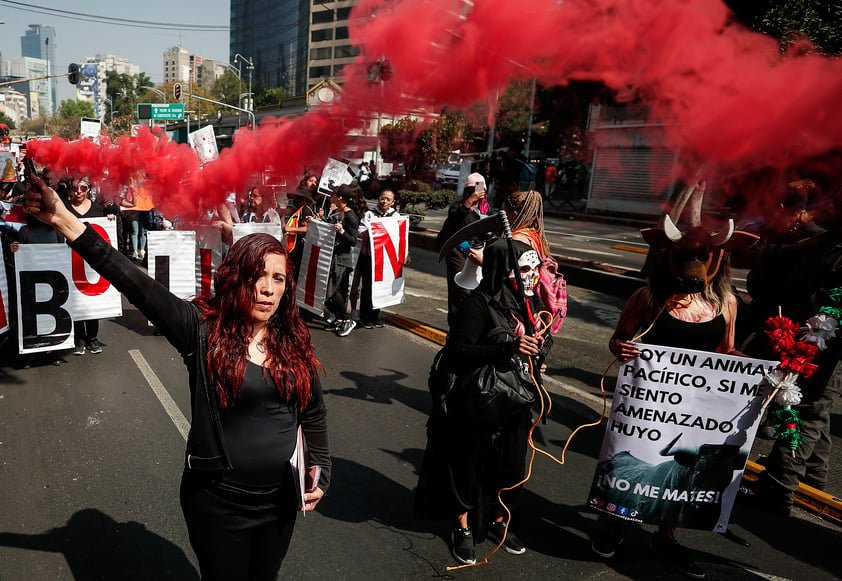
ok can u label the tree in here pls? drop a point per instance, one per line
(7, 120)
(228, 88)
(792, 20)
(269, 97)
(417, 145)
(76, 109)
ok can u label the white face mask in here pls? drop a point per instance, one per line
(528, 264)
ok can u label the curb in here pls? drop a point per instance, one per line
(818, 502)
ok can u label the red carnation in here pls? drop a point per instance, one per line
(782, 331)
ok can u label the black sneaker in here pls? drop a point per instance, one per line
(80, 348)
(378, 325)
(497, 532)
(754, 496)
(345, 328)
(462, 546)
(674, 554)
(94, 346)
(605, 542)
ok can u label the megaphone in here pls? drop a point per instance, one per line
(469, 277)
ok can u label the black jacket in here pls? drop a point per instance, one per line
(178, 320)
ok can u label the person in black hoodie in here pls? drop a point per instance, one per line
(253, 384)
(347, 223)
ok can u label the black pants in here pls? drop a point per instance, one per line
(236, 541)
(368, 314)
(85, 331)
(811, 460)
(338, 284)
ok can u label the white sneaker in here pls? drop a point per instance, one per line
(134, 255)
(141, 254)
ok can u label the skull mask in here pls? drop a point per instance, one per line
(528, 264)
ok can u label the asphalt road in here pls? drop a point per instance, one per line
(90, 460)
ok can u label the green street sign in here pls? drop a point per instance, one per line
(160, 112)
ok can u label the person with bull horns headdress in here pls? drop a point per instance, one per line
(687, 304)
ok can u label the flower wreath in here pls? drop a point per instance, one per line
(796, 357)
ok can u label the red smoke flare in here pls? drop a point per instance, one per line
(728, 97)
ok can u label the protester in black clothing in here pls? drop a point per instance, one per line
(461, 213)
(253, 382)
(797, 262)
(466, 463)
(346, 223)
(80, 203)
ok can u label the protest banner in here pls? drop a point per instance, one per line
(203, 142)
(93, 296)
(55, 288)
(311, 284)
(276, 230)
(8, 167)
(4, 297)
(42, 280)
(211, 252)
(678, 436)
(171, 258)
(335, 174)
(388, 247)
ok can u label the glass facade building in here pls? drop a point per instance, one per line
(272, 34)
(40, 42)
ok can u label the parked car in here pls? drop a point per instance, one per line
(449, 175)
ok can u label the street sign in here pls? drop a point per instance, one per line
(160, 112)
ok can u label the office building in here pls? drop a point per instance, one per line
(37, 92)
(329, 46)
(13, 104)
(274, 37)
(39, 42)
(177, 65)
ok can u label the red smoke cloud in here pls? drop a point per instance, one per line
(729, 98)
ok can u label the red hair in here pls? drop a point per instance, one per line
(291, 359)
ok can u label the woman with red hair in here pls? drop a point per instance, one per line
(253, 384)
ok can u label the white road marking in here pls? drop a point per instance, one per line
(169, 405)
(416, 294)
(562, 386)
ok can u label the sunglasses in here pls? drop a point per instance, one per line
(82, 188)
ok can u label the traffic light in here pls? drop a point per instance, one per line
(176, 91)
(73, 73)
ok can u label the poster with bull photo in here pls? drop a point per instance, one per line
(335, 174)
(678, 436)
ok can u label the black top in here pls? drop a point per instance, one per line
(344, 242)
(95, 211)
(261, 431)
(673, 332)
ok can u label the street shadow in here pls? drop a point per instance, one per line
(362, 494)
(383, 389)
(793, 536)
(97, 547)
(133, 320)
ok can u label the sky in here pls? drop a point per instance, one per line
(77, 39)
